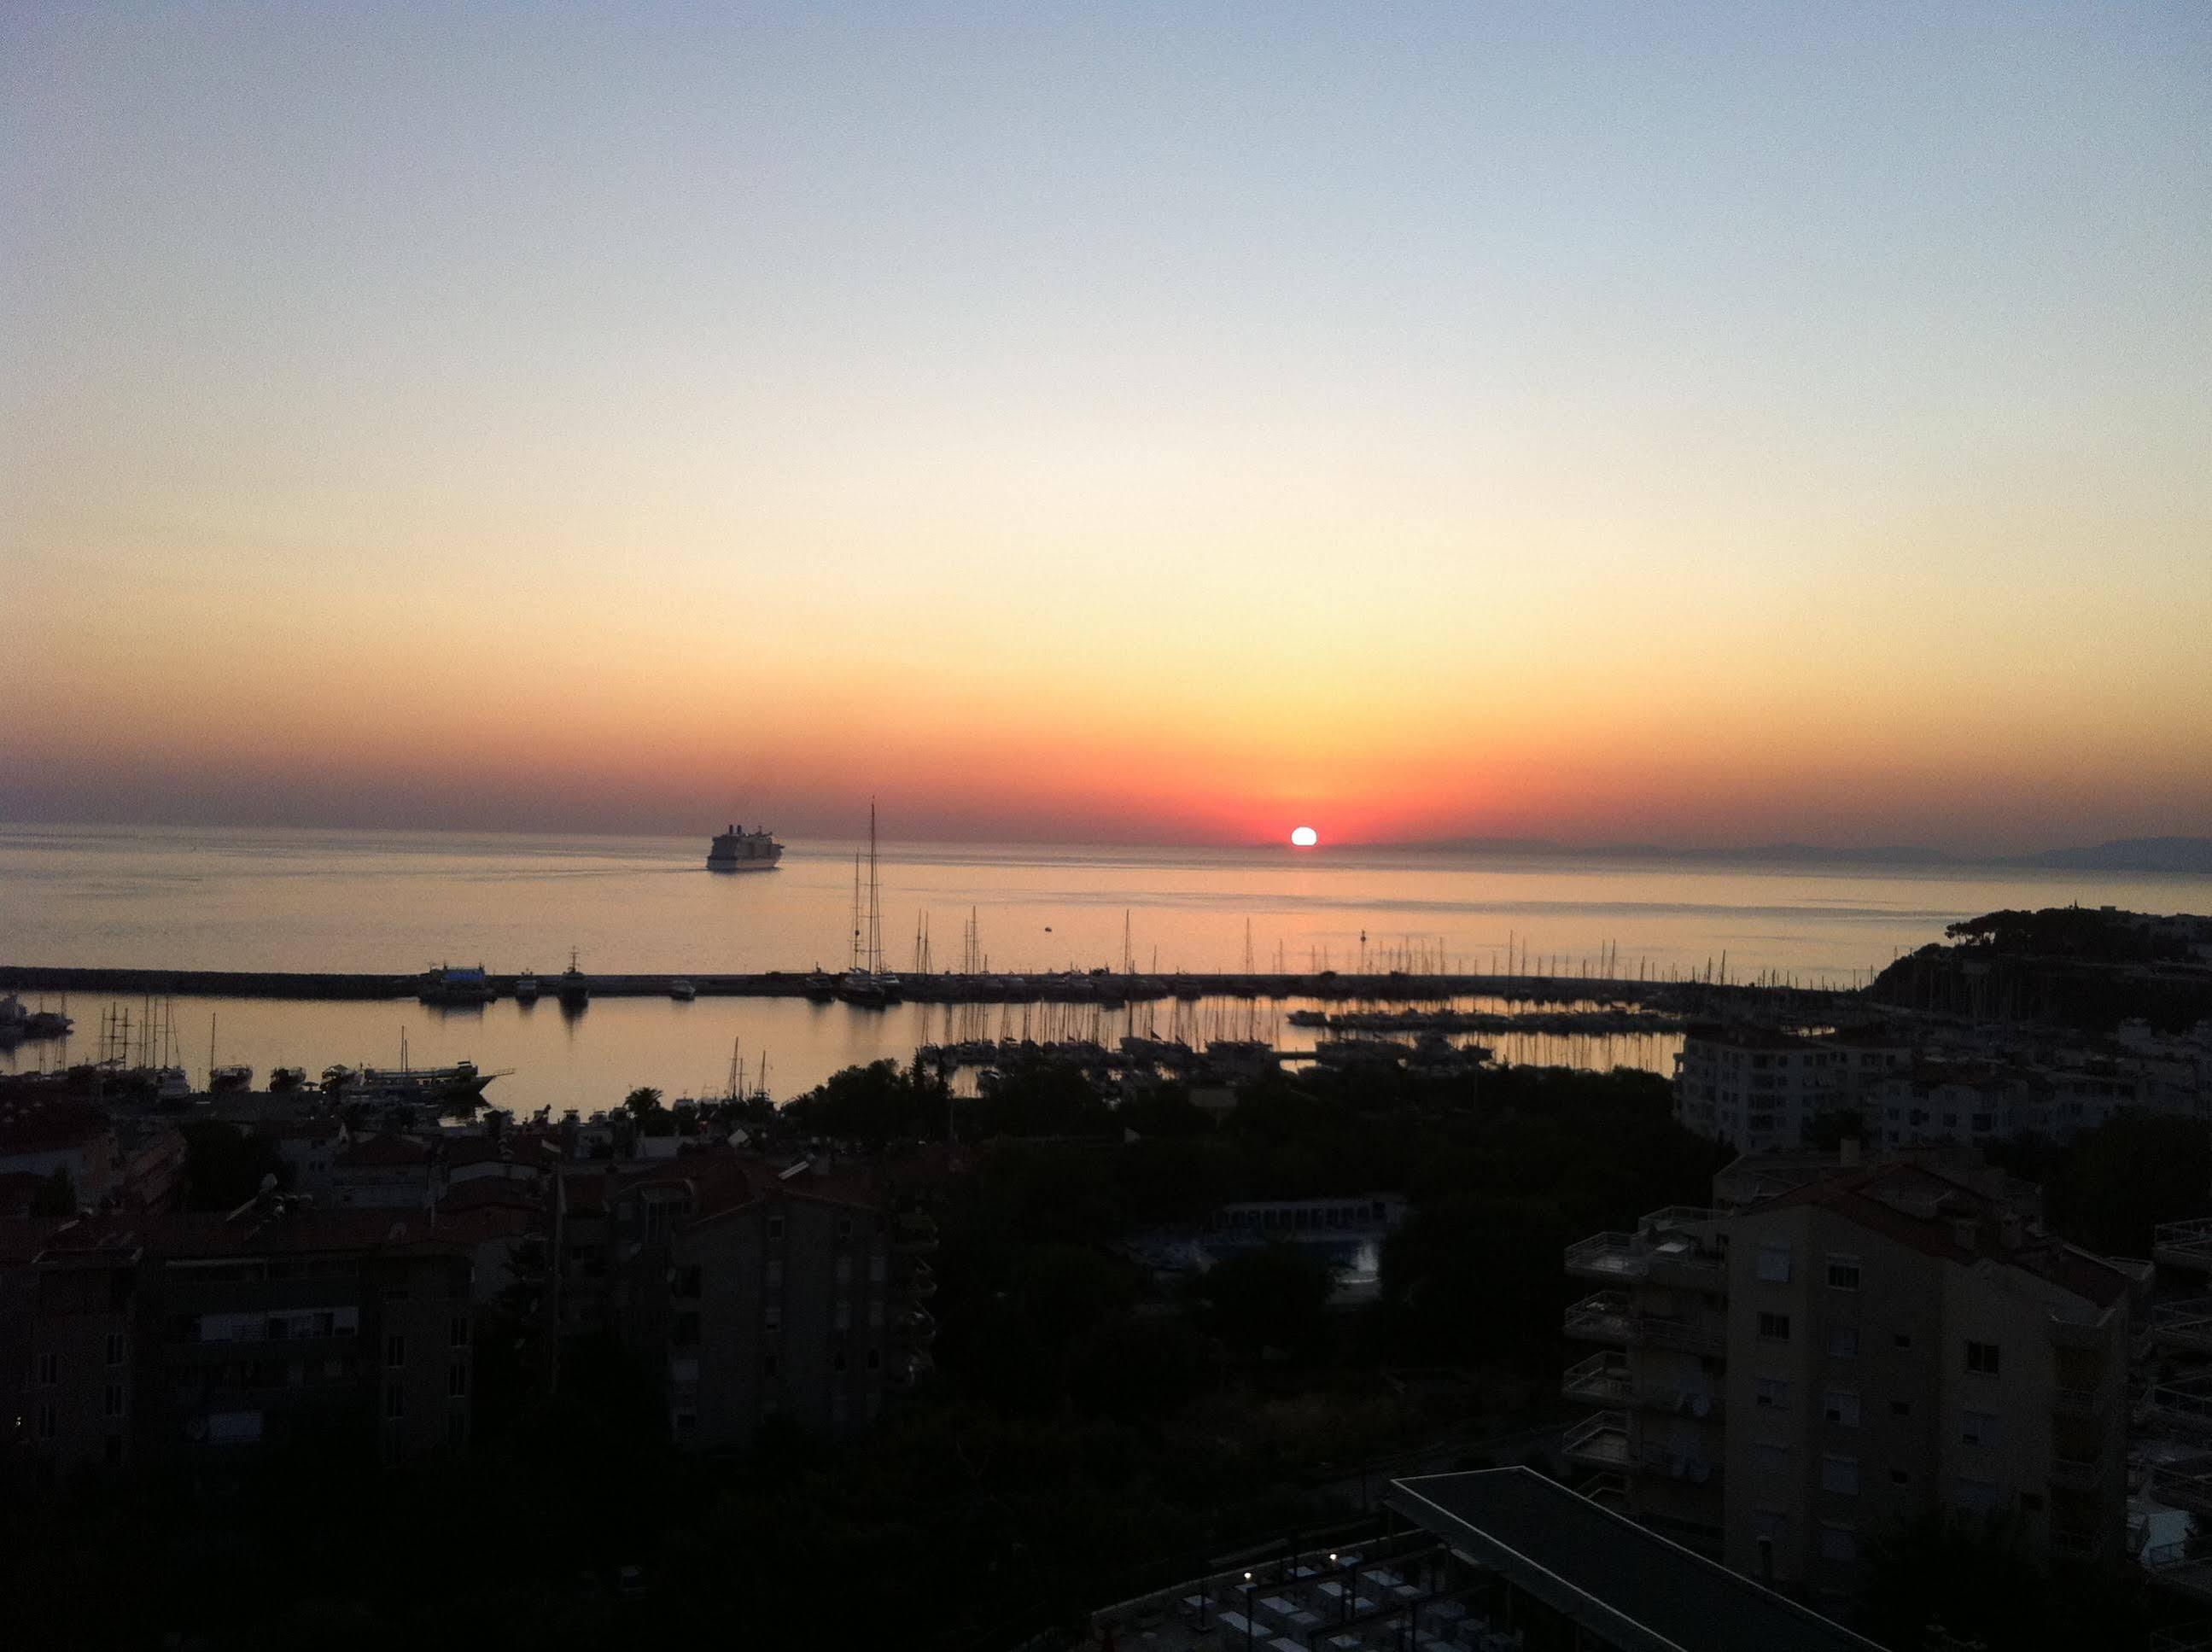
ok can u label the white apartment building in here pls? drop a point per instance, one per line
(1780, 1381)
(1757, 1089)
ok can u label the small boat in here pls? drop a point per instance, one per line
(682, 991)
(282, 1079)
(220, 1080)
(821, 987)
(448, 984)
(574, 986)
(526, 987)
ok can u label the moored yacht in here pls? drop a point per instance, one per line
(526, 987)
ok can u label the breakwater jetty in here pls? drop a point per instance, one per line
(1103, 987)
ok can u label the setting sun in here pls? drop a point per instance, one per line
(1304, 837)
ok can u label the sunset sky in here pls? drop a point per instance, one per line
(1704, 424)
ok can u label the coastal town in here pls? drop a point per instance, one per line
(1864, 1311)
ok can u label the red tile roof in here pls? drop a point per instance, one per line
(383, 1153)
(48, 1123)
(1888, 1198)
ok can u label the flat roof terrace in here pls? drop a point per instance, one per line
(1627, 1587)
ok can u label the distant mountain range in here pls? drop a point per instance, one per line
(2141, 854)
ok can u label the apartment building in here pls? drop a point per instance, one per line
(748, 1292)
(184, 1340)
(1757, 1089)
(1779, 1381)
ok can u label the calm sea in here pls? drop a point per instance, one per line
(398, 901)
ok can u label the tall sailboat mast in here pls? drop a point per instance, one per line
(875, 900)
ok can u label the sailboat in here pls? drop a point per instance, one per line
(865, 982)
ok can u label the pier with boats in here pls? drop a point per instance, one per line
(1110, 988)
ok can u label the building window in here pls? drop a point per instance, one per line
(1774, 1327)
(1769, 1392)
(875, 1359)
(1840, 1474)
(50, 1370)
(844, 1228)
(395, 1350)
(112, 1450)
(1903, 1338)
(687, 1281)
(46, 1419)
(1774, 1264)
(456, 1429)
(1977, 1427)
(683, 1331)
(1900, 1408)
(837, 1362)
(1772, 1458)
(113, 1401)
(1979, 1496)
(768, 1365)
(460, 1331)
(772, 1317)
(115, 1347)
(776, 1276)
(1899, 1477)
(395, 1400)
(1839, 1543)
(1982, 1358)
(775, 1230)
(1841, 1409)
(1843, 1273)
(1843, 1342)
(456, 1380)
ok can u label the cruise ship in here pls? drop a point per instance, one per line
(738, 850)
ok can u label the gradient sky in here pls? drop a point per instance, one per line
(1698, 423)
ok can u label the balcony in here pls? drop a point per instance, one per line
(2075, 1544)
(1703, 1404)
(905, 1373)
(917, 1327)
(2183, 1244)
(913, 1234)
(1601, 1444)
(1666, 1331)
(918, 1282)
(2184, 1484)
(1606, 1256)
(2185, 1404)
(2184, 1325)
(1602, 1316)
(1665, 1248)
(1601, 1380)
(2083, 1333)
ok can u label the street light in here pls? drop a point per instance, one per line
(1249, 1587)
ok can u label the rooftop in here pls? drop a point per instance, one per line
(1629, 1587)
(44, 1123)
(1916, 1205)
